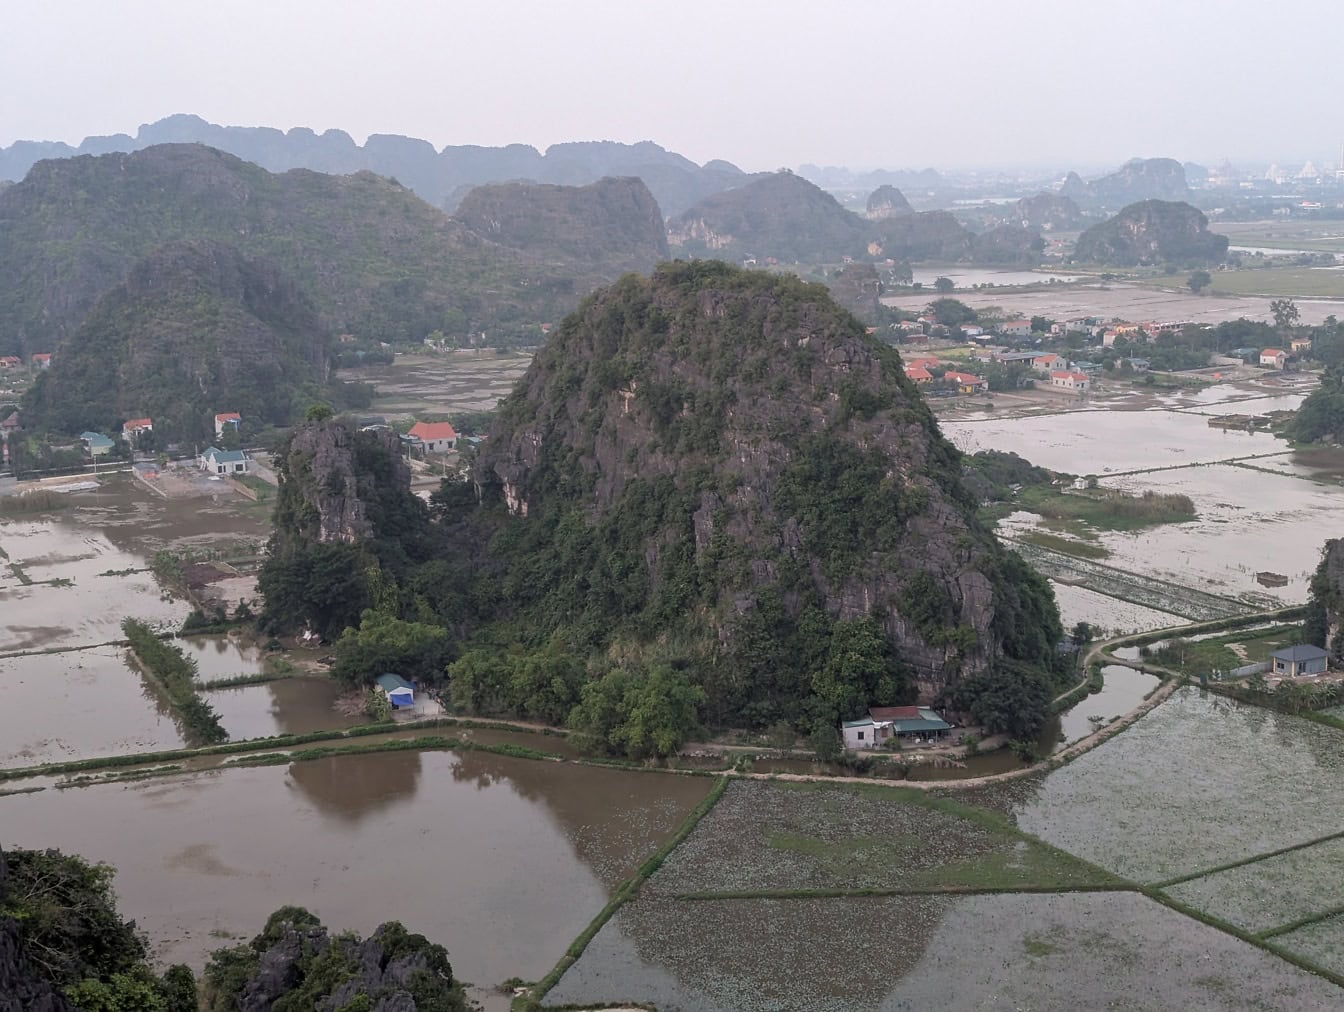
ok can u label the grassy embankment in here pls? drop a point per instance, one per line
(1193, 657)
(1286, 282)
(175, 672)
(1080, 514)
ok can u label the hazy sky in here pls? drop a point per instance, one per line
(763, 83)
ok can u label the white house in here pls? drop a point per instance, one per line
(213, 460)
(913, 725)
(1275, 357)
(1075, 381)
(225, 419)
(434, 437)
(1015, 328)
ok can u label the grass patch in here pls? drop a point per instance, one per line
(1193, 657)
(176, 673)
(1269, 281)
(235, 680)
(1107, 509)
(1065, 546)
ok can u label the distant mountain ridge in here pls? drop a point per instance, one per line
(1138, 179)
(437, 176)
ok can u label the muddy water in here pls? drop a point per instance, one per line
(1249, 522)
(1123, 690)
(1099, 442)
(503, 861)
(285, 706)
(222, 657)
(88, 548)
(78, 705)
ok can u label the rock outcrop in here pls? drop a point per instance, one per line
(1048, 212)
(610, 226)
(332, 474)
(887, 202)
(1138, 179)
(1325, 607)
(732, 438)
(1153, 232)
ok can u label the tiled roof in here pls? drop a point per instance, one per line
(430, 431)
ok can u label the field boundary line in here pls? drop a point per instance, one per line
(1301, 922)
(627, 891)
(700, 896)
(1242, 862)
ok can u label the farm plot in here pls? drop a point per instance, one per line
(1322, 943)
(1272, 892)
(769, 837)
(1199, 782)
(1037, 951)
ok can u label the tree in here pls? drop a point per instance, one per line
(1199, 281)
(943, 285)
(385, 643)
(951, 312)
(1285, 313)
(1082, 633)
(317, 413)
(825, 741)
(900, 274)
(638, 713)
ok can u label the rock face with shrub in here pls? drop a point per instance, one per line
(1153, 232)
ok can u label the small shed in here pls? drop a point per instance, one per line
(1302, 659)
(399, 692)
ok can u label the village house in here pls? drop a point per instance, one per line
(918, 374)
(96, 443)
(225, 419)
(1015, 328)
(965, 382)
(1296, 661)
(434, 437)
(42, 360)
(10, 362)
(971, 330)
(1108, 338)
(1300, 344)
(213, 460)
(135, 426)
(399, 692)
(1276, 358)
(924, 361)
(1047, 362)
(912, 725)
(1069, 380)
(1138, 364)
(10, 425)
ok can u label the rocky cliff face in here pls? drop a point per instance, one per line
(887, 202)
(1153, 231)
(611, 226)
(332, 477)
(1325, 607)
(21, 988)
(741, 437)
(1008, 244)
(195, 328)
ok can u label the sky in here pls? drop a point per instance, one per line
(762, 83)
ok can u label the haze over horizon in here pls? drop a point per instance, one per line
(964, 84)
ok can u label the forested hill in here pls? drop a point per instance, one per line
(710, 481)
(196, 328)
(376, 260)
(436, 175)
(612, 226)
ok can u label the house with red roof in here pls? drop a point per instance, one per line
(1077, 382)
(226, 418)
(1046, 362)
(42, 360)
(135, 426)
(10, 362)
(918, 374)
(434, 437)
(967, 383)
(913, 725)
(1276, 358)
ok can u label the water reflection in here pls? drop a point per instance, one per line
(351, 788)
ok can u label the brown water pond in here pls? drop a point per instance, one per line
(78, 705)
(501, 860)
(285, 706)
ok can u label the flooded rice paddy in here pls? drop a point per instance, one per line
(80, 704)
(1201, 781)
(1123, 689)
(1043, 952)
(415, 385)
(284, 706)
(1078, 604)
(501, 860)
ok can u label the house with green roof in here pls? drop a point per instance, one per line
(213, 460)
(399, 692)
(96, 443)
(912, 725)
